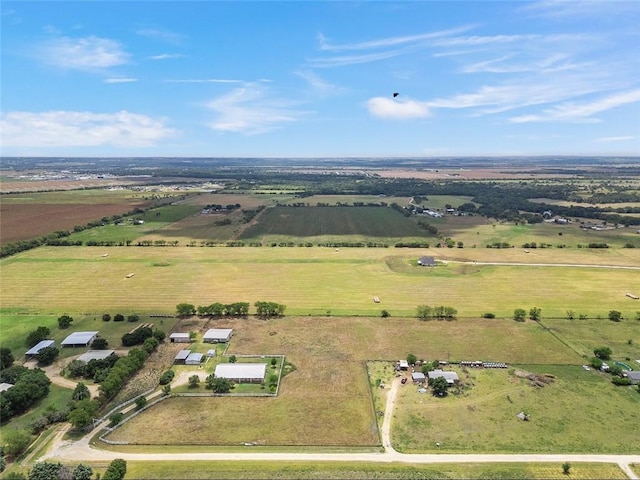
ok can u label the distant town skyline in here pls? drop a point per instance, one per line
(318, 78)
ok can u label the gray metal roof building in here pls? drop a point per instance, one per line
(450, 377)
(33, 351)
(95, 355)
(217, 335)
(181, 356)
(180, 338)
(194, 359)
(79, 339)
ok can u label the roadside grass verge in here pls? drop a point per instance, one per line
(579, 411)
(365, 471)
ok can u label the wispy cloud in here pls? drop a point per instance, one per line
(120, 80)
(80, 129)
(204, 80)
(383, 107)
(166, 56)
(624, 138)
(87, 53)
(376, 50)
(317, 83)
(252, 109)
(572, 9)
(164, 35)
(581, 112)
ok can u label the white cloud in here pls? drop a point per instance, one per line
(580, 112)
(88, 53)
(78, 129)
(251, 110)
(317, 83)
(120, 80)
(383, 107)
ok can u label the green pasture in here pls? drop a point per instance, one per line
(317, 281)
(439, 202)
(584, 335)
(303, 222)
(14, 328)
(365, 471)
(579, 411)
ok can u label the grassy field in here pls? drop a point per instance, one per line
(326, 400)
(317, 281)
(580, 411)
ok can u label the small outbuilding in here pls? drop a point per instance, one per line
(180, 338)
(211, 352)
(418, 377)
(242, 372)
(633, 376)
(217, 335)
(181, 356)
(427, 262)
(79, 339)
(33, 351)
(450, 377)
(96, 355)
(403, 365)
(194, 359)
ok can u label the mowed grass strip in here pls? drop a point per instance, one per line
(365, 471)
(578, 412)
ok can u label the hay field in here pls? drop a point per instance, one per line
(326, 400)
(314, 280)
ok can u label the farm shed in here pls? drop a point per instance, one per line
(450, 377)
(403, 365)
(417, 377)
(5, 386)
(179, 338)
(194, 359)
(217, 335)
(242, 372)
(95, 355)
(79, 339)
(33, 351)
(211, 353)
(633, 376)
(427, 261)
(181, 356)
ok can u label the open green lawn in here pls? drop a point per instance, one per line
(315, 280)
(580, 411)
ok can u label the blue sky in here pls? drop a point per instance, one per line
(307, 79)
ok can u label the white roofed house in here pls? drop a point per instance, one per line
(450, 377)
(194, 359)
(217, 335)
(33, 351)
(95, 355)
(242, 372)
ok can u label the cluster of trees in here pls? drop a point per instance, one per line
(95, 369)
(425, 312)
(520, 314)
(29, 387)
(50, 471)
(140, 335)
(64, 321)
(217, 309)
(124, 368)
(269, 309)
(118, 317)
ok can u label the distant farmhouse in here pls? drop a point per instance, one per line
(242, 372)
(33, 351)
(217, 335)
(633, 376)
(79, 339)
(427, 261)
